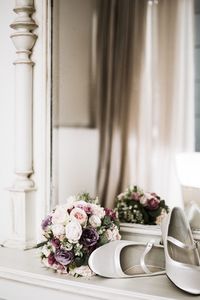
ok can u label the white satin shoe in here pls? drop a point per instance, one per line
(181, 252)
(193, 216)
(128, 259)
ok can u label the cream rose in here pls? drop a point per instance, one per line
(120, 196)
(82, 271)
(80, 203)
(113, 234)
(79, 214)
(144, 199)
(95, 221)
(73, 231)
(46, 251)
(60, 216)
(58, 229)
(161, 217)
(97, 210)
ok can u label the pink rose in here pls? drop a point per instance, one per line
(135, 196)
(153, 203)
(79, 214)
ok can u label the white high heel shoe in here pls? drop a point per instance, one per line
(181, 253)
(128, 259)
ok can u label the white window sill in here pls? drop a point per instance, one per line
(23, 277)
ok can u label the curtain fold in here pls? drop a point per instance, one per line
(165, 104)
(145, 91)
(117, 23)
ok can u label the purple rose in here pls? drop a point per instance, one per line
(109, 212)
(153, 203)
(64, 257)
(88, 209)
(46, 222)
(89, 237)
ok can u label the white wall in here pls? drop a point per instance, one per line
(7, 55)
(76, 162)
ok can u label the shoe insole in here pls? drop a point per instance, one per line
(179, 230)
(130, 259)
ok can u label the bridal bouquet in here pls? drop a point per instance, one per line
(136, 206)
(75, 229)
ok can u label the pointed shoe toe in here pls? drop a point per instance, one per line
(122, 258)
(181, 252)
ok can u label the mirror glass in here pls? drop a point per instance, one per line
(94, 45)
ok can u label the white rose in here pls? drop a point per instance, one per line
(73, 231)
(70, 202)
(144, 199)
(58, 229)
(161, 217)
(46, 251)
(81, 203)
(95, 221)
(84, 271)
(60, 216)
(79, 214)
(120, 196)
(149, 196)
(109, 234)
(116, 235)
(113, 234)
(97, 210)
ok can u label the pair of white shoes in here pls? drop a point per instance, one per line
(178, 259)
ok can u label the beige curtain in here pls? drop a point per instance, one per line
(120, 24)
(164, 105)
(146, 97)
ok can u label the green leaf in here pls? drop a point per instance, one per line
(155, 213)
(145, 215)
(106, 221)
(79, 261)
(103, 239)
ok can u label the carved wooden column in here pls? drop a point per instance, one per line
(23, 189)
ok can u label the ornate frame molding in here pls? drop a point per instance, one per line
(29, 198)
(24, 40)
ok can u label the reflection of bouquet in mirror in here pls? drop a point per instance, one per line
(136, 206)
(75, 229)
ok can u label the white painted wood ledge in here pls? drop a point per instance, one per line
(143, 233)
(22, 276)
